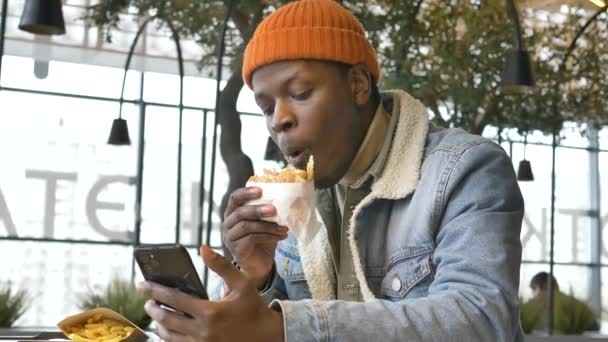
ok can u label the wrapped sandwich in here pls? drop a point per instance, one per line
(292, 193)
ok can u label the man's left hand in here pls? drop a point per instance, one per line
(240, 316)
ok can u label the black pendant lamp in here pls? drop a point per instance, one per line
(119, 135)
(524, 171)
(42, 17)
(517, 76)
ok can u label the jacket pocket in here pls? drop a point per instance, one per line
(289, 265)
(374, 276)
(408, 269)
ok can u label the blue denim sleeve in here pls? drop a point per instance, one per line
(474, 295)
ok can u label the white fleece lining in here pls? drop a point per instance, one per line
(400, 175)
(399, 178)
(318, 266)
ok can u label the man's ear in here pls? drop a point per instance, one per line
(360, 81)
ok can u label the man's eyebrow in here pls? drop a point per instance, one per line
(261, 95)
(291, 78)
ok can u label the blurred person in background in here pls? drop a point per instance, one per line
(571, 316)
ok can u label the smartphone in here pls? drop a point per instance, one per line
(170, 265)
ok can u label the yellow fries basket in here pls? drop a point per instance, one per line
(101, 325)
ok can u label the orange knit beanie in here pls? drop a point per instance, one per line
(309, 29)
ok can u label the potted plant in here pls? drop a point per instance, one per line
(120, 296)
(13, 304)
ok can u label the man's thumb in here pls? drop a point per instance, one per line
(222, 267)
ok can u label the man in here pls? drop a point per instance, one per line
(421, 224)
(571, 316)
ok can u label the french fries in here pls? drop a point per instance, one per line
(286, 175)
(98, 329)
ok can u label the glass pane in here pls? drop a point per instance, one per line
(246, 102)
(56, 274)
(604, 292)
(191, 166)
(537, 197)
(161, 88)
(255, 137)
(164, 88)
(603, 138)
(603, 166)
(535, 137)
(198, 92)
(573, 223)
(571, 135)
(59, 178)
(220, 182)
(80, 79)
(159, 177)
(574, 280)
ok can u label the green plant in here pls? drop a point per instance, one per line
(120, 296)
(12, 305)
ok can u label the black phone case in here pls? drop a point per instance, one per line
(170, 265)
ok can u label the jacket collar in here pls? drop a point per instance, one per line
(401, 172)
(398, 179)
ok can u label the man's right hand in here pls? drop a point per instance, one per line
(251, 240)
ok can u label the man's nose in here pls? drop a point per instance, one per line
(283, 118)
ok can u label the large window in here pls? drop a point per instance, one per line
(579, 255)
(62, 185)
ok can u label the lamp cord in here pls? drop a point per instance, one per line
(525, 144)
(128, 62)
(516, 24)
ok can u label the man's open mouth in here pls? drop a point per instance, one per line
(298, 158)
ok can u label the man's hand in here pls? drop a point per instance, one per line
(241, 316)
(251, 241)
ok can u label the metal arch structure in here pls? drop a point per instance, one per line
(218, 93)
(139, 178)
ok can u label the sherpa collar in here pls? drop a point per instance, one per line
(399, 178)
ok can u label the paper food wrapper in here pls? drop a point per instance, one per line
(137, 335)
(295, 206)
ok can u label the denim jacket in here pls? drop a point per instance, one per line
(436, 247)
